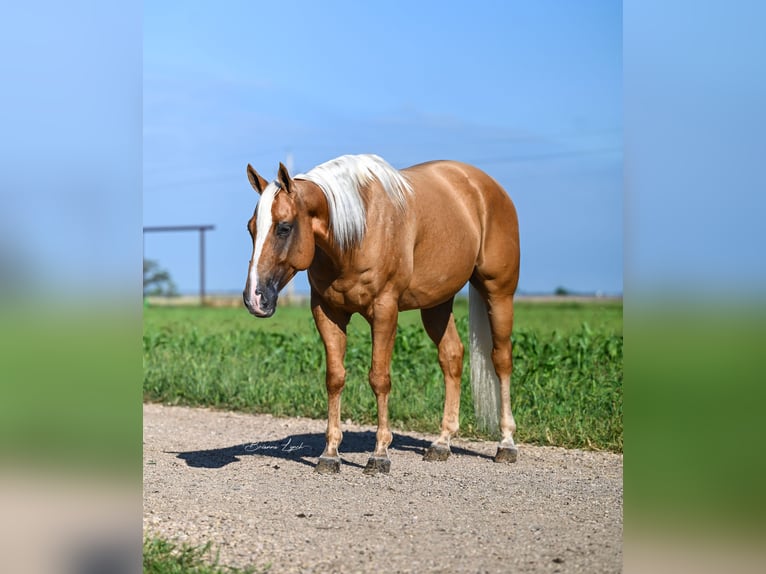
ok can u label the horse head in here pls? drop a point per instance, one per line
(283, 240)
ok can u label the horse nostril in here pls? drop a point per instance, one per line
(259, 293)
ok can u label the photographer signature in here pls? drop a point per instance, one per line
(287, 446)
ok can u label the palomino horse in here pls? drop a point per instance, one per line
(377, 241)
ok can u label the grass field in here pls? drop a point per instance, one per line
(164, 557)
(566, 388)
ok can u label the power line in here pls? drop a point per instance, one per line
(483, 161)
(546, 156)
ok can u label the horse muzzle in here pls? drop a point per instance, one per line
(262, 302)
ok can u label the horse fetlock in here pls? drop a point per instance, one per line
(450, 426)
(383, 439)
(507, 431)
(334, 437)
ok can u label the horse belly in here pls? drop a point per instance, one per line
(443, 261)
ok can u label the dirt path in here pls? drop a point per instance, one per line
(246, 483)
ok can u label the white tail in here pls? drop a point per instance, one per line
(484, 383)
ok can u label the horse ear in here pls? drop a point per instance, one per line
(284, 178)
(258, 183)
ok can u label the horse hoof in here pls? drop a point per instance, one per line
(436, 452)
(376, 465)
(506, 454)
(328, 465)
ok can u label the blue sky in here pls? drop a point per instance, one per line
(529, 92)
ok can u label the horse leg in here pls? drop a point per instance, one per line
(332, 328)
(501, 323)
(383, 324)
(439, 323)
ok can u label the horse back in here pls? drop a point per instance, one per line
(465, 222)
(455, 196)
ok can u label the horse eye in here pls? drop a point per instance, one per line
(284, 229)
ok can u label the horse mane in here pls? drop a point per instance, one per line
(342, 180)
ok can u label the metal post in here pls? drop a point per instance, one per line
(202, 265)
(201, 229)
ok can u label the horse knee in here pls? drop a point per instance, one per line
(336, 379)
(380, 382)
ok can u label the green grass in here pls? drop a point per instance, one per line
(68, 382)
(164, 557)
(697, 396)
(566, 387)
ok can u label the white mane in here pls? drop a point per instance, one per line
(342, 179)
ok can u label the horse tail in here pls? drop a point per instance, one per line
(484, 383)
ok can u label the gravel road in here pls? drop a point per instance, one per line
(246, 483)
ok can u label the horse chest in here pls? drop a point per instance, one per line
(355, 293)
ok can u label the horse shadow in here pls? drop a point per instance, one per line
(300, 448)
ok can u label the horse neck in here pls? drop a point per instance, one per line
(316, 206)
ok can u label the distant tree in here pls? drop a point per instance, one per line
(157, 281)
(561, 291)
